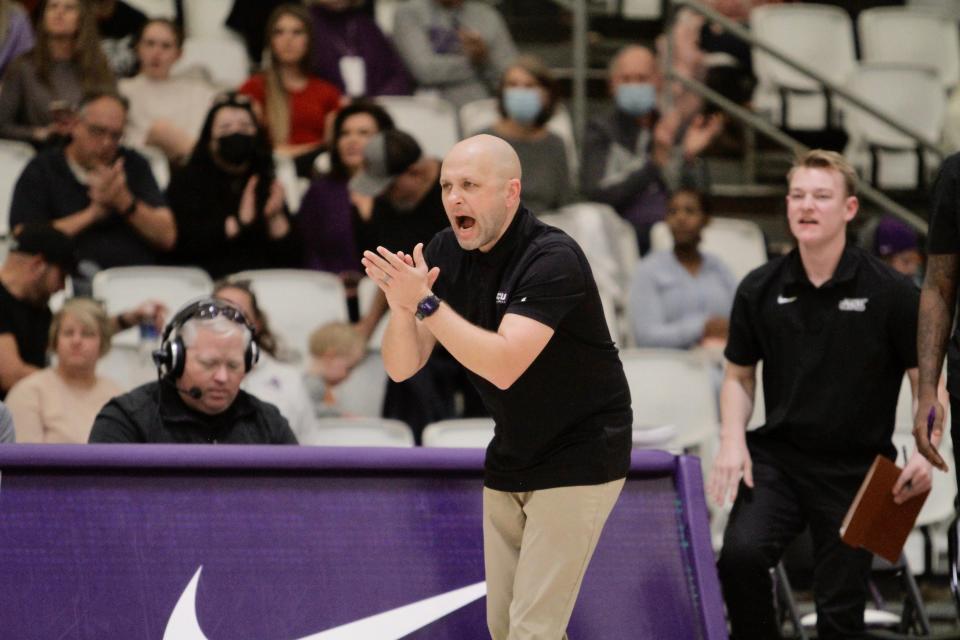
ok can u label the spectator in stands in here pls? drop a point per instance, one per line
(270, 380)
(407, 210)
(897, 244)
(526, 99)
(208, 348)
(335, 349)
(97, 191)
(39, 259)
(295, 103)
(119, 24)
(227, 201)
(636, 155)
(458, 47)
(16, 33)
(836, 332)
(166, 112)
(43, 89)
(681, 298)
(331, 216)
(59, 403)
(352, 52)
(7, 432)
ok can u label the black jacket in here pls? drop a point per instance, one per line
(155, 413)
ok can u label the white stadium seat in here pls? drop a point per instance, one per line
(739, 244)
(14, 156)
(431, 120)
(911, 36)
(359, 432)
(473, 433)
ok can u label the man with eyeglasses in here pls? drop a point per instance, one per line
(208, 348)
(97, 191)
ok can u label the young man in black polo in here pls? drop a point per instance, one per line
(835, 330)
(514, 301)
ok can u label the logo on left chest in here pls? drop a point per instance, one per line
(501, 297)
(853, 304)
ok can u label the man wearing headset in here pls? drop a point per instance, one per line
(207, 349)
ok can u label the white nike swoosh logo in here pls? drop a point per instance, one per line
(389, 625)
(782, 300)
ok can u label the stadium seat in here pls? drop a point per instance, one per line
(464, 432)
(431, 120)
(818, 36)
(886, 157)
(223, 59)
(127, 365)
(14, 156)
(297, 301)
(480, 114)
(122, 288)
(910, 36)
(359, 432)
(206, 18)
(674, 387)
(366, 292)
(362, 393)
(738, 243)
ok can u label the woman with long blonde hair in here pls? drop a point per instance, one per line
(42, 88)
(295, 103)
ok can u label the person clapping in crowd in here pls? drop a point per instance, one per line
(228, 204)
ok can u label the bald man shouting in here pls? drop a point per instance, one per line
(515, 302)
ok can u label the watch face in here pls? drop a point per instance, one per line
(427, 306)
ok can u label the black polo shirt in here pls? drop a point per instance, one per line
(28, 324)
(945, 238)
(567, 420)
(834, 356)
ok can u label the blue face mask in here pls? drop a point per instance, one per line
(522, 104)
(636, 98)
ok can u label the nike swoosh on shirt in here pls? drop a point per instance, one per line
(389, 625)
(783, 300)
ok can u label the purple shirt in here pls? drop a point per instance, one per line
(325, 223)
(354, 33)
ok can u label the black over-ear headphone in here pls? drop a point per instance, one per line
(172, 354)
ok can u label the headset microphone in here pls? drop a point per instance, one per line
(194, 392)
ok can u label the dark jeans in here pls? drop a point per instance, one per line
(791, 491)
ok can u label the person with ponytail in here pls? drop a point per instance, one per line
(294, 103)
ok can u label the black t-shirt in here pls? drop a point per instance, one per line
(945, 238)
(834, 356)
(567, 420)
(47, 190)
(29, 326)
(401, 230)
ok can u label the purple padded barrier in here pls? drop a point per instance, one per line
(154, 541)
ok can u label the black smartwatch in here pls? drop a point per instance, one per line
(427, 307)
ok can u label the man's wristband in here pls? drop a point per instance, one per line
(427, 307)
(129, 210)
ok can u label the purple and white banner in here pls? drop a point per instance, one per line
(295, 543)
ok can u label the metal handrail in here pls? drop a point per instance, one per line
(745, 35)
(750, 119)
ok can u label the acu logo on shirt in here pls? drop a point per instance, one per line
(501, 297)
(853, 304)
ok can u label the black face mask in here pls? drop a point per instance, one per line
(236, 148)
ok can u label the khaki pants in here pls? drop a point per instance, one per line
(536, 547)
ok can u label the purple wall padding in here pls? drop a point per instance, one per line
(100, 541)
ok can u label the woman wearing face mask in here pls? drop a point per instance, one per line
(526, 100)
(229, 206)
(295, 102)
(166, 112)
(331, 218)
(42, 88)
(58, 404)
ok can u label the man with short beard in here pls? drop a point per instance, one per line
(98, 192)
(515, 302)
